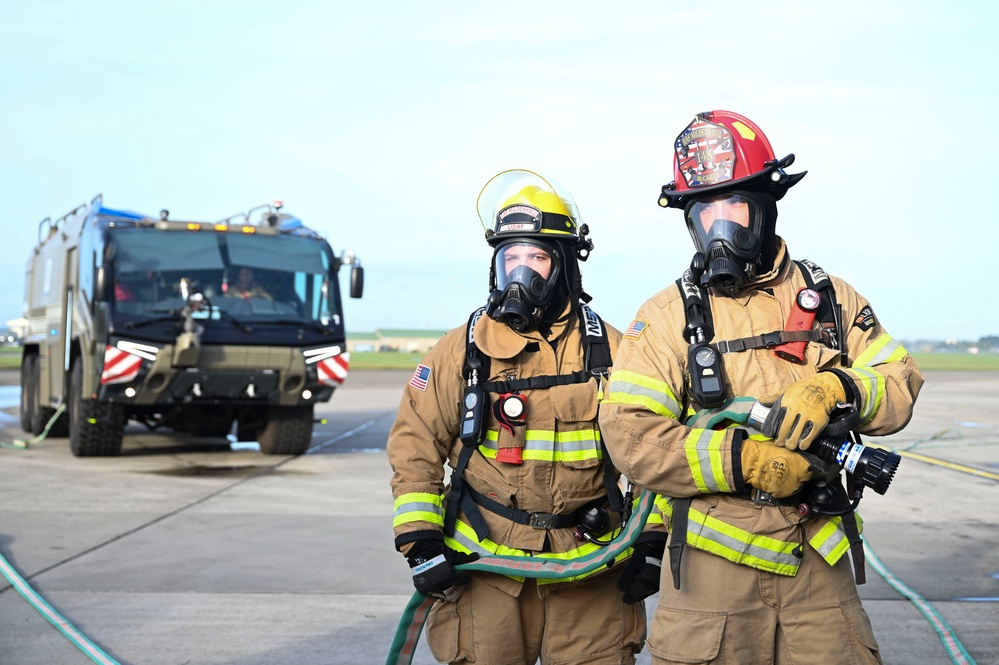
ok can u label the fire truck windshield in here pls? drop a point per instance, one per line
(253, 278)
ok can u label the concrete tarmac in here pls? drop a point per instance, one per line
(198, 551)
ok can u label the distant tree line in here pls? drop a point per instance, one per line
(986, 344)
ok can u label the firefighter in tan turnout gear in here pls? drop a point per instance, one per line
(759, 532)
(509, 402)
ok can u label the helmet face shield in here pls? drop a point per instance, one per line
(522, 203)
(539, 238)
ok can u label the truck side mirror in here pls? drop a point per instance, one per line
(356, 281)
(102, 284)
(348, 258)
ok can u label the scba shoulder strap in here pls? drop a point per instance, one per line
(697, 313)
(830, 314)
(475, 361)
(596, 357)
(597, 360)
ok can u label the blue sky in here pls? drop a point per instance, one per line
(378, 123)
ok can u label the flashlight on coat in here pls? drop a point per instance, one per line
(802, 316)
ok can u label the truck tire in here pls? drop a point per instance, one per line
(100, 438)
(60, 428)
(288, 431)
(29, 393)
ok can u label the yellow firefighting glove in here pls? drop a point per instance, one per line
(774, 469)
(803, 410)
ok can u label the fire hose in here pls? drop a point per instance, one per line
(415, 615)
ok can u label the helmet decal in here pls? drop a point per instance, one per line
(518, 219)
(704, 153)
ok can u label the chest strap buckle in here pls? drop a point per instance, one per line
(541, 521)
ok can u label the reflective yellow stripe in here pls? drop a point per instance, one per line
(659, 508)
(830, 541)
(762, 552)
(465, 540)
(883, 350)
(736, 545)
(704, 456)
(418, 516)
(418, 507)
(628, 387)
(872, 386)
(549, 446)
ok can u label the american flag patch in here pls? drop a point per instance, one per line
(420, 378)
(635, 330)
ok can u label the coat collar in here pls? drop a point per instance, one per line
(498, 340)
(778, 275)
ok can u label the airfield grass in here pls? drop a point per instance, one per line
(10, 358)
(951, 362)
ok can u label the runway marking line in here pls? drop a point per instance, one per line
(949, 465)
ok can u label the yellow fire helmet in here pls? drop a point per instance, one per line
(521, 203)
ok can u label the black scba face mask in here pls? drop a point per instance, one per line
(728, 230)
(522, 294)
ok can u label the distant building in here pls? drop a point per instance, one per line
(408, 341)
(363, 342)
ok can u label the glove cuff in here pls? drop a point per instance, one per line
(413, 536)
(849, 387)
(424, 551)
(738, 437)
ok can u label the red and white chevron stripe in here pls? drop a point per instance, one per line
(119, 366)
(333, 370)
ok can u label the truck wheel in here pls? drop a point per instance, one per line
(60, 428)
(29, 390)
(95, 429)
(288, 431)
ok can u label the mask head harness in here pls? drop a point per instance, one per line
(533, 224)
(727, 180)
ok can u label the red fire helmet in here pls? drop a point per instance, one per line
(722, 150)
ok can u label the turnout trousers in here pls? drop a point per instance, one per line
(583, 622)
(729, 614)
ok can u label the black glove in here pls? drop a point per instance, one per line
(640, 577)
(432, 565)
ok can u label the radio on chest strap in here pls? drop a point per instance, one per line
(698, 320)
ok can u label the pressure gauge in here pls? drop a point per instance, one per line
(705, 374)
(705, 356)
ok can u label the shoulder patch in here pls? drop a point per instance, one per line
(635, 330)
(865, 319)
(420, 378)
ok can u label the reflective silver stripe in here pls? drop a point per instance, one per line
(642, 390)
(541, 445)
(882, 350)
(872, 383)
(417, 506)
(884, 354)
(835, 540)
(695, 529)
(703, 451)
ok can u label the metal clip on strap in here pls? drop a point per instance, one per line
(541, 520)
